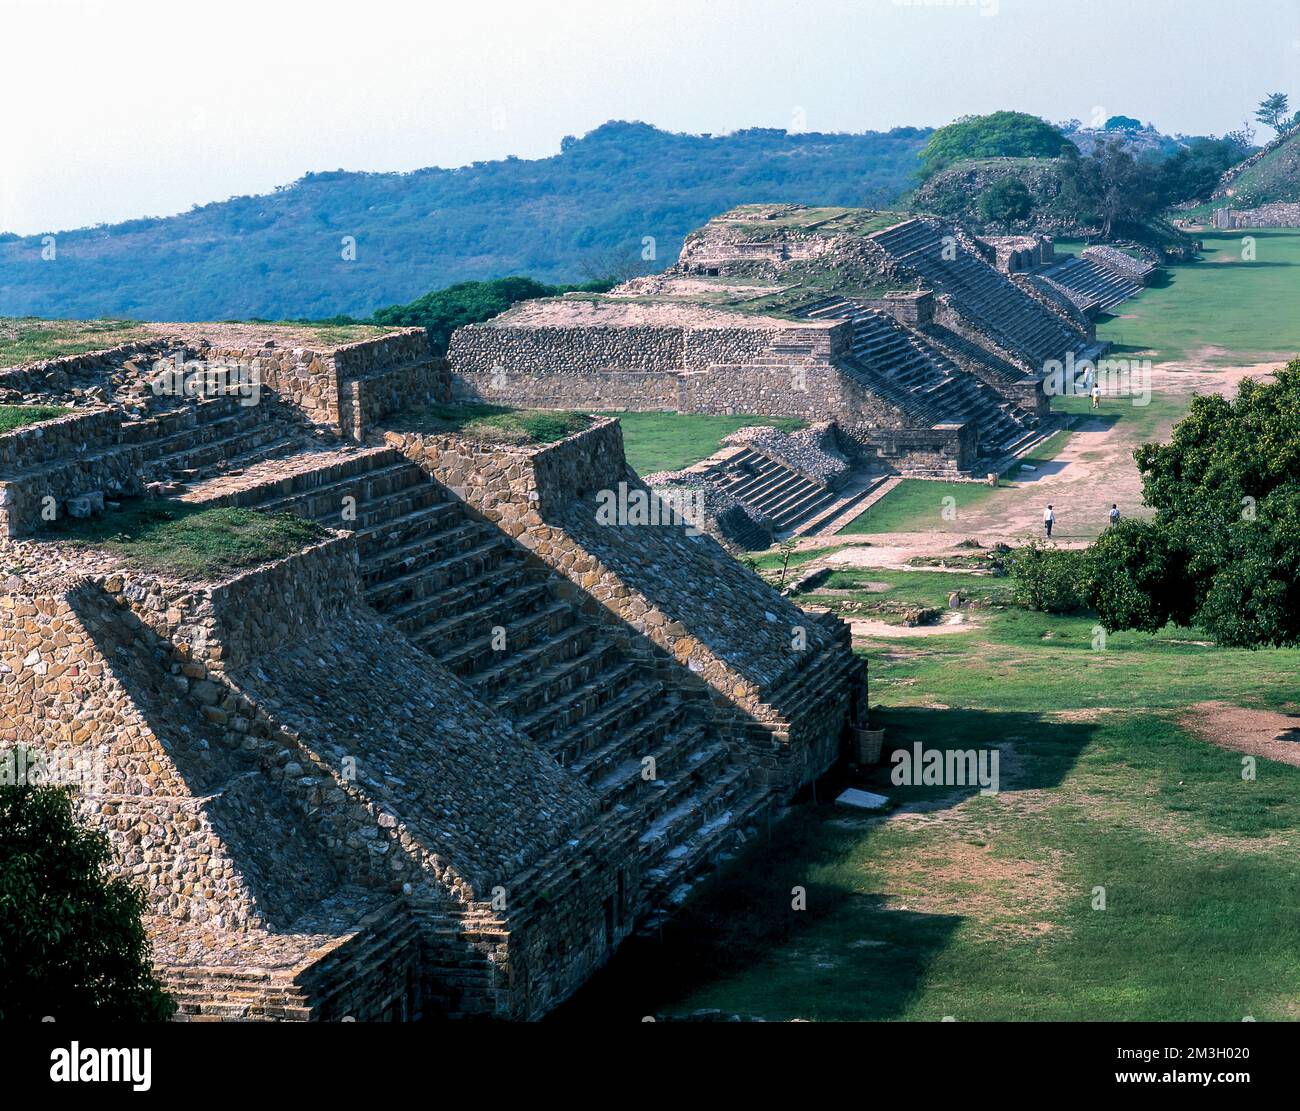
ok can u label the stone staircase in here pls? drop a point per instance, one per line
(474, 600)
(982, 293)
(1088, 284)
(772, 489)
(212, 437)
(935, 389)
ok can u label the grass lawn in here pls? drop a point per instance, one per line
(919, 505)
(1224, 310)
(188, 542)
(24, 339)
(672, 441)
(496, 424)
(982, 907)
(18, 416)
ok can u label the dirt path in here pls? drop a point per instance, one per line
(1092, 470)
(1263, 733)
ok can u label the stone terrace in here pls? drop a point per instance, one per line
(441, 762)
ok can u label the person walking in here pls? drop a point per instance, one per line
(1096, 397)
(1049, 519)
(1114, 513)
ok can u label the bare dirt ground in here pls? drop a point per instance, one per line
(1092, 470)
(1255, 732)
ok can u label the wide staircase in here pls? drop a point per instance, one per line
(469, 596)
(934, 389)
(1088, 284)
(982, 293)
(772, 489)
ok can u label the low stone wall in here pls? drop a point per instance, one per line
(75, 486)
(366, 401)
(1265, 216)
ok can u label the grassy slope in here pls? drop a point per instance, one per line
(26, 339)
(671, 441)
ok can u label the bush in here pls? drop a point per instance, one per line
(1048, 579)
(74, 946)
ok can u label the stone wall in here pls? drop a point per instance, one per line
(1279, 215)
(73, 460)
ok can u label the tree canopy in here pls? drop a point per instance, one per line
(74, 946)
(997, 135)
(442, 311)
(1223, 550)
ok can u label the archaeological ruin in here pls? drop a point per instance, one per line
(923, 347)
(441, 758)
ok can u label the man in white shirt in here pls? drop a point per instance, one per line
(1114, 513)
(1049, 519)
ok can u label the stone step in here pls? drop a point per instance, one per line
(430, 579)
(461, 595)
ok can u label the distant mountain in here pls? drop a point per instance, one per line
(583, 212)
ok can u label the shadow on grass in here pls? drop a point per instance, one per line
(738, 945)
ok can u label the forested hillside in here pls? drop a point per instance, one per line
(583, 213)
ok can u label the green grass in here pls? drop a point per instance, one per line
(25, 339)
(918, 505)
(188, 542)
(495, 424)
(18, 416)
(987, 913)
(1223, 310)
(673, 441)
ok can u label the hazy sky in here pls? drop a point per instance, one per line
(111, 109)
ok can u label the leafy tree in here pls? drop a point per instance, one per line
(1005, 201)
(444, 310)
(998, 135)
(1122, 123)
(1108, 187)
(1274, 110)
(1223, 551)
(74, 946)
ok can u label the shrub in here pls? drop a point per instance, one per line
(1048, 579)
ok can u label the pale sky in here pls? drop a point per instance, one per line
(112, 109)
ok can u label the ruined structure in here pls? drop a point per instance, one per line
(1280, 215)
(442, 759)
(928, 358)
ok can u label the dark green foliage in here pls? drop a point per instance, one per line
(998, 135)
(190, 542)
(581, 214)
(1122, 123)
(73, 944)
(1047, 578)
(444, 310)
(1108, 187)
(1005, 201)
(1192, 172)
(1223, 551)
